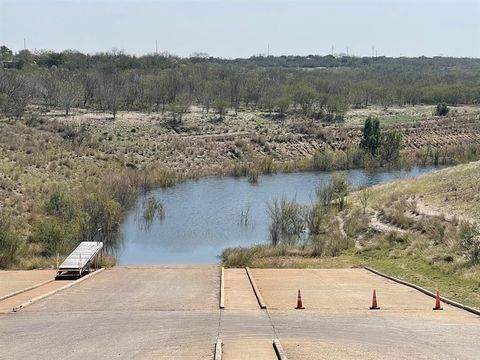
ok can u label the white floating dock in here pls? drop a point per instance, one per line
(81, 258)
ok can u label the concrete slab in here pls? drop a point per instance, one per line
(248, 350)
(302, 350)
(374, 336)
(125, 313)
(109, 335)
(346, 290)
(11, 281)
(140, 288)
(245, 324)
(239, 294)
(8, 304)
(172, 313)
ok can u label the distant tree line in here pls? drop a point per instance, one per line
(320, 87)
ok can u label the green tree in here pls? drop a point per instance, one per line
(304, 96)
(390, 146)
(220, 105)
(441, 109)
(5, 53)
(336, 107)
(283, 103)
(24, 57)
(371, 136)
(55, 236)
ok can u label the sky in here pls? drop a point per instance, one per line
(241, 28)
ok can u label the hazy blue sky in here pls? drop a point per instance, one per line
(240, 28)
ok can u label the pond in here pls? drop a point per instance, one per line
(203, 217)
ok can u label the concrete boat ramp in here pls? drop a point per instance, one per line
(193, 312)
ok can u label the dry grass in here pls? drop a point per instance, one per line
(406, 114)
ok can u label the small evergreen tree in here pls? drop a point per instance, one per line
(371, 136)
(441, 109)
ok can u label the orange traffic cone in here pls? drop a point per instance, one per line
(374, 301)
(299, 301)
(437, 302)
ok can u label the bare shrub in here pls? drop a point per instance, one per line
(470, 243)
(365, 195)
(336, 189)
(325, 193)
(356, 222)
(288, 222)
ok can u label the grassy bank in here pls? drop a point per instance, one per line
(454, 191)
(458, 282)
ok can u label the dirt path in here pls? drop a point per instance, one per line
(377, 225)
(430, 210)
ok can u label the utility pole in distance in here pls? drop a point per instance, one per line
(156, 47)
(24, 44)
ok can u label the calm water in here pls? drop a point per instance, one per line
(202, 217)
